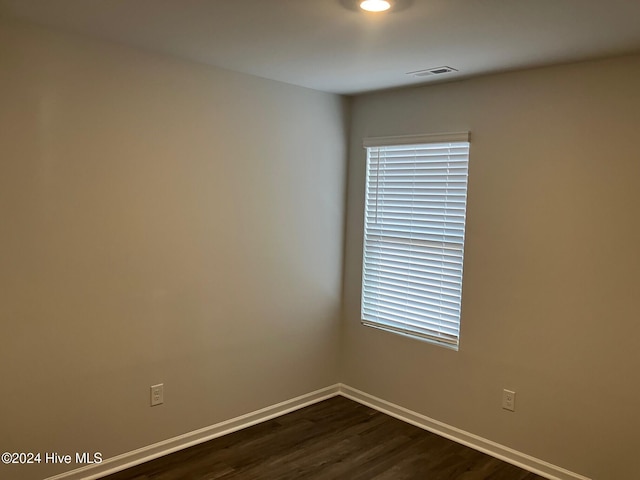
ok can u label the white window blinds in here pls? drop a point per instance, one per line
(416, 191)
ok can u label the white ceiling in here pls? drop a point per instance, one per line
(323, 45)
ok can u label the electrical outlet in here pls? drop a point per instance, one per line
(157, 394)
(509, 400)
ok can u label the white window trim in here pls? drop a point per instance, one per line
(416, 139)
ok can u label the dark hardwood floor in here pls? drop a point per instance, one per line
(332, 440)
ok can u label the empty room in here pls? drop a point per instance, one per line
(319, 239)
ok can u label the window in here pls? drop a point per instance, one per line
(415, 207)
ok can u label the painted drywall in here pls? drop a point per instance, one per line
(161, 222)
(552, 262)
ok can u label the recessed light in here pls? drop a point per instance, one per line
(380, 6)
(375, 5)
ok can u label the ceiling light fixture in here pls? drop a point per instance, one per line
(375, 5)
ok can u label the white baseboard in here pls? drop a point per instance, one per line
(145, 454)
(136, 457)
(532, 464)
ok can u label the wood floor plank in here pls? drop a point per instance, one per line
(331, 440)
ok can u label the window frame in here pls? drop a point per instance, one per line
(447, 334)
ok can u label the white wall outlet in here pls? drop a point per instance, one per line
(509, 400)
(157, 394)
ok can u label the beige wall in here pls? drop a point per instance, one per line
(161, 221)
(552, 264)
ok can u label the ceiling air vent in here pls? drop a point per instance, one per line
(432, 71)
